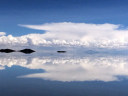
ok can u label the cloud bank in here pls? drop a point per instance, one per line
(72, 34)
(2, 33)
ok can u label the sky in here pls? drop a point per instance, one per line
(71, 22)
(14, 12)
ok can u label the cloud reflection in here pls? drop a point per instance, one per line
(87, 68)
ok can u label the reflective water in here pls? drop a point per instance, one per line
(63, 75)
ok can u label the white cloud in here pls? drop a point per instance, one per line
(101, 35)
(75, 31)
(2, 33)
(72, 34)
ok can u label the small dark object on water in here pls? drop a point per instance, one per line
(61, 51)
(7, 50)
(27, 51)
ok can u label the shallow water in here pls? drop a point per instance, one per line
(63, 74)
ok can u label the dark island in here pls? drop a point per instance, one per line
(61, 51)
(27, 51)
(7, 50)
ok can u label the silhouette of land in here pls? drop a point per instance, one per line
(26, 51)
(61, 51)
(7, 50)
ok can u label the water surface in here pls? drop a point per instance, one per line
(63, 75)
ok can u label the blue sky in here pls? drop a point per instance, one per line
(14, 12)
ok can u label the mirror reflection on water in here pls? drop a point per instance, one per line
(63, 74)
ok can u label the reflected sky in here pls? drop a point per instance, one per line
(66, 68)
